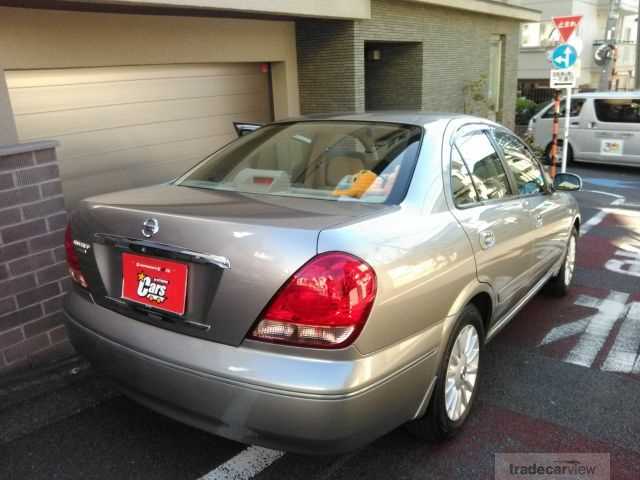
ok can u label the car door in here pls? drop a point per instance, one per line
(544, 124)
(543, 127)
(493, 218)
(547, 216)
(615, 131)
(581, 134)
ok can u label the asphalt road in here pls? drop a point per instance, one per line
(564, 376)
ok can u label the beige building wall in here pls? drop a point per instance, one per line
(37, 39)
(137, 99)
(8, 134)
(346, 9)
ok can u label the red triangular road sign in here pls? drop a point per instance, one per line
(567, 25)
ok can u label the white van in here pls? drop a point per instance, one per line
(605, 128)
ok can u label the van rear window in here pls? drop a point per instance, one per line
(623, 110)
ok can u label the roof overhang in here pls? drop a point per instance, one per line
(329, 9)
(489, 7)
(334, 9)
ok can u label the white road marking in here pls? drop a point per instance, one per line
(246, 465)
(598, 329)
(594, 330)
(628, 265)
(600, 216)
(624, 356)
(608, 194)
(565, 331)
(592, 222)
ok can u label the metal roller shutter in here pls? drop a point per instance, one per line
(123, 127)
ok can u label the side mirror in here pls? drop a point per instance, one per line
(244, 128)
(567, 182)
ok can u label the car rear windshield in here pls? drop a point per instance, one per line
(329, 160)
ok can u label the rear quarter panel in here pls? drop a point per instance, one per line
(422, 262)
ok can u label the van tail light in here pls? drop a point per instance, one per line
(72, 259)
(325, 304)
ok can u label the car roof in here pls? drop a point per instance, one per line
(418, 118)
(628, 94)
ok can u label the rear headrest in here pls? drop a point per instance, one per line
(343, 164)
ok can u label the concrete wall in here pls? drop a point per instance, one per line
(308, 8)
(335, 9)
(33, 271)
(455, 50)
(513, 9)
(8, 133)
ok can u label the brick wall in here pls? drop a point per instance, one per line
(400, 65)
(455, 49)
(326, 66)
(33, 273)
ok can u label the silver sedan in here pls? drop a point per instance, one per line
(319, 282)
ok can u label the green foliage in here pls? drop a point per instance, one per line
(524, 105)
(475, 97)
(539, 152)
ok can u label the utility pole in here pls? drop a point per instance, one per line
(638, 49)
(610, 37)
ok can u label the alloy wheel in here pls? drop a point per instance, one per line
(570, 261)
(462, 372)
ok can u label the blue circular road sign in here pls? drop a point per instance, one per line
(564, 56)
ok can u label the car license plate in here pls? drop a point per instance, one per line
(155, 282)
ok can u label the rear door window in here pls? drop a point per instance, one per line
(523, 166)
(464, 193)
(485, 166)
(623, 110)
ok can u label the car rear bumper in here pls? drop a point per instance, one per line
(286, 402)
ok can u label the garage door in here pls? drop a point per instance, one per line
(123, 127)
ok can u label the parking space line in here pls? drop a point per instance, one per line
(600, 216)
(624, 356)
(244, 466)
(592, 222)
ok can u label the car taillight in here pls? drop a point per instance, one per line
(325, 304)
(72, 259)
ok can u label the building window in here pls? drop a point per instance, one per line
(494, 82)
(538, 35)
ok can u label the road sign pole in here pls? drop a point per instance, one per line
(554, 133)
(567, 123)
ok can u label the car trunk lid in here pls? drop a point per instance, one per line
(264, 239)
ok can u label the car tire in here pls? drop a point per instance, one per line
(559, 285)
(441, 421)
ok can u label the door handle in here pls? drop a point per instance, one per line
(487, 239)
(575, 124)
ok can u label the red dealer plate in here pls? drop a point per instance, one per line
(155, 282)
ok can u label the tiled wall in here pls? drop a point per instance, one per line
(454, 50)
